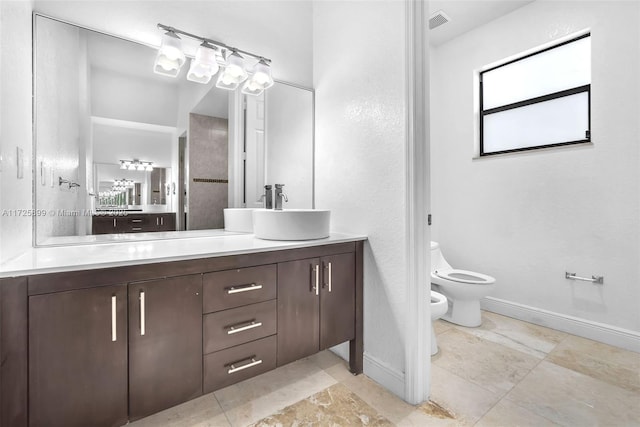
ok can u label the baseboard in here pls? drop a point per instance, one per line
(377, 370)
(608, 334)
(384, 375)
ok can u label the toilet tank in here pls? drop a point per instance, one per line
(437, 259)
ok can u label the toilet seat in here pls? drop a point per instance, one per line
(464, 276)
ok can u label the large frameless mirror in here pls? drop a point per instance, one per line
(122, 153)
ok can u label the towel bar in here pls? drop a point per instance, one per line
(593, 279)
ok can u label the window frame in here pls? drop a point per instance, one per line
(535, 100)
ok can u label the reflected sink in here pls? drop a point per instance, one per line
(239, 220)
(291, 224)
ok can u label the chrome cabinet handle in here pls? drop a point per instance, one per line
(113, 319)
(253, 362)
(161, 220)
(329, 277)
(142, 313)
(114, 223)
(136, 228)
(245, 288)
(243, 327)
(157, 221)
(317, 270)
(136, 220)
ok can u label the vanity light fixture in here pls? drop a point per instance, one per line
(213, 57)
(260, 80)
(136, 165)
(234, 72)
(170, 57)
(204, 65)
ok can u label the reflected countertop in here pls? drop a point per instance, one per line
(174, 247)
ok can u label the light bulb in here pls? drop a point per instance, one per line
(170, 56)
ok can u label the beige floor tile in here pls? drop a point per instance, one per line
(526, 337)
(508, 414)
(256, 398)
(489, 365)
(570, 398)
(440, 326)
(418, 418)
(386, 403)
(607, 363)
(340, 371)
(467, 402)
(335, 406)
(204, 411)
(326, 359)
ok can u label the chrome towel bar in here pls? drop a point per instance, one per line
(594, 279)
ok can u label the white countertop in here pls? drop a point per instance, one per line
(93, 256)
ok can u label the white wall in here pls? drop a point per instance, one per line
(289, 143)
(527, 218)
(15, 125)
(124, 97)
(58, 125)
(359, 77)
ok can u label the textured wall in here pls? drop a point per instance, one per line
(15, 125)
(208, 146)
(58, 122)
(359, 77)
(527, 218)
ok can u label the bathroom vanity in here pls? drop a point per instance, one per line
(133, 222)
(155, 324)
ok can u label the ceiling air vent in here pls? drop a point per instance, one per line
(437, 19)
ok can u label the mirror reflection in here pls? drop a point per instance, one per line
(149, 152)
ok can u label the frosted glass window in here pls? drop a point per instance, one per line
(539, 100)
(550, 71)
(554, 122)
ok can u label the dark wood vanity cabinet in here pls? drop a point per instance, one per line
(165, 343)
(78, 358)
(316, 305)
(133, 223)
(102, 347)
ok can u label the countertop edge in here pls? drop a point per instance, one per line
(28, 264)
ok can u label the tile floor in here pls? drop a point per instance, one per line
(504, 373)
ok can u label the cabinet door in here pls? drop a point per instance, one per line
(103, 225)
(337, 300)
(78, 358)
(298, 309)
(165, 343)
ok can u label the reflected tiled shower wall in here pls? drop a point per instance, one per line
(208, 171)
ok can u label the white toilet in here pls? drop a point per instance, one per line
(439, 307)
(463, 289)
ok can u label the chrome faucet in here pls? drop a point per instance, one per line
(279, 196)
(267, 197)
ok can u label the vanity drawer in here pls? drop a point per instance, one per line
(234, 288)
(235, 364)
(239, 325)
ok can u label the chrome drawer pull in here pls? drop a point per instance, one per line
(142, 314)
(235, 329)
(329, 277)
(254, 362)
(317, 287)
(136, 220)
(250, 287)
(114, 323)
(136, 228)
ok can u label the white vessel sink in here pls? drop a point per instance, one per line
(291, 224)
(238, 219)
